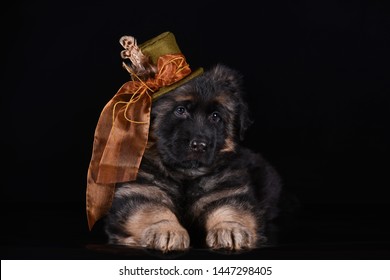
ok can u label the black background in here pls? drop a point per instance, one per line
(316, 75)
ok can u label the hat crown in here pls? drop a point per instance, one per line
(163, 44)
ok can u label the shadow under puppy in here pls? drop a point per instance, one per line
(197, 186)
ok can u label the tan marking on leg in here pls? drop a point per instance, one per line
(203, 201)
(156, 227)
(150, 192)
(231, 228)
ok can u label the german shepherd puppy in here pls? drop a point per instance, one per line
(197, 186)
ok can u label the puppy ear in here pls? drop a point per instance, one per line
(226, 78)
(244, 121)
(230, 80)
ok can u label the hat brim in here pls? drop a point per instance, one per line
(169, 88)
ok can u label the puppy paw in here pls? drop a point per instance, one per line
(230, 236)
(166, 236)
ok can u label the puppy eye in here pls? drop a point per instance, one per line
(180, 111)
(215, 117)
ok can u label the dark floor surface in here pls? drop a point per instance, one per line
(335, 231)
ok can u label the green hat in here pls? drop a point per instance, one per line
(161, 45)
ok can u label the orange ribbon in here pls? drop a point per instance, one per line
(121, 134)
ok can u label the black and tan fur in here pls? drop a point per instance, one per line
(197, 186)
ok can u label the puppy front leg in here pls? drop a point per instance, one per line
(231, 228)
(156, 227)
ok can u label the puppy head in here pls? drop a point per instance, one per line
(199, 121)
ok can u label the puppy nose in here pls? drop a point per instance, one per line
(198, 146)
